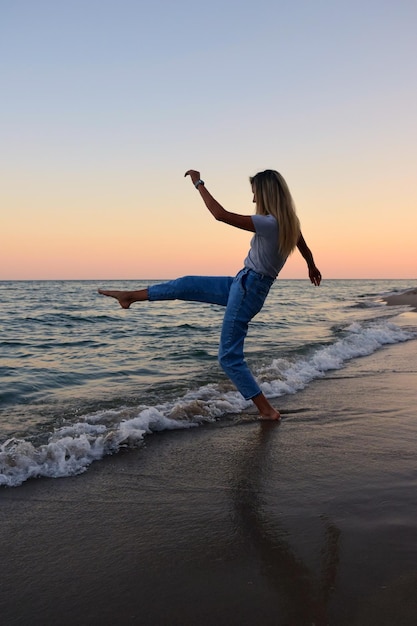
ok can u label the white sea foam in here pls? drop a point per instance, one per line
(72, 448)
(359, 340)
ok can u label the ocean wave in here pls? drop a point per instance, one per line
(399, 292)
(73, 447)
(368, 304)
(288, 377)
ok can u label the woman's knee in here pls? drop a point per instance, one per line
(229, 361)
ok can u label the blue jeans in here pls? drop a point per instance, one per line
(243, 297)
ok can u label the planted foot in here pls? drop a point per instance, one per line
(266, 411)
(274, 416)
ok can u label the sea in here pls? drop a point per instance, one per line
(81, 378)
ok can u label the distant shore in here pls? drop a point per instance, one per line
(408, 297)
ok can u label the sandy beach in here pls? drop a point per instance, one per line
(309, 522)
(408, 298)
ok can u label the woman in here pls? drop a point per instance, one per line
(277, 233)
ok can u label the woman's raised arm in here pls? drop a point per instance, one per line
(244, 222)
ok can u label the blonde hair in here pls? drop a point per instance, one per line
(273, 197)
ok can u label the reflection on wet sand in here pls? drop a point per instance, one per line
(302, 597)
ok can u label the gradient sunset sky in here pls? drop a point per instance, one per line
(106, 103)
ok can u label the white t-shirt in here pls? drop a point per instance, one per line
(263, 256)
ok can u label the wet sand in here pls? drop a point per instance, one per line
(408, 298)
(309, 522)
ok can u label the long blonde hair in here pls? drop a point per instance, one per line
(273, 197)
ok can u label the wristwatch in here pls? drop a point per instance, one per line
(199, 182)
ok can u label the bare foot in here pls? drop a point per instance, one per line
(125, 298)
(266, 410)
(270, 417)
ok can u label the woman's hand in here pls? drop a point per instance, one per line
(314, 275)
(313, 272)
(194, 175)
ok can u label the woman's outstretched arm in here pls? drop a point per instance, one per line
(244, 222)
(313, 272)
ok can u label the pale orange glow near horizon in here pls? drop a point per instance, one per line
(93, 248)
(97, 233)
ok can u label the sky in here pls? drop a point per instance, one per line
(106, 103)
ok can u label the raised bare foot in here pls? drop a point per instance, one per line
(125, 298)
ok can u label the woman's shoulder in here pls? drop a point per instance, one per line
(265, 218)
(264, 222)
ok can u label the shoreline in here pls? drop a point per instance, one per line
(408, 298)
(310, 521)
